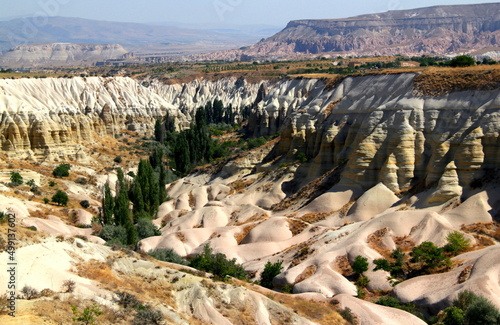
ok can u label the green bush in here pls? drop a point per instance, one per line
(217, 264)
(271, 270)
(453, 316)
(395, 303)
(145, 229)
(382, 264)
(88, 316)
(61, 198)
(167, 255)
(16, 179)
(360, 265)
(114, 234)
(52, 183)
(62, 170)
(462, 61)
(481, 312)
(256, 142)
(429, 256)
(465, 299)
(85, 204)
(362, 281)
(348, 315)
(457, 243)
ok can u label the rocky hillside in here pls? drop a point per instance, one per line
(60, 54)
(435, 30)
(358, 166)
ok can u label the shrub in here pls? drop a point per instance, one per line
(62, 170)
(382, 264)
(52, 183)
(217, 264)
(114, 234)
(453, 316)
(127, 300)
(68, 286)
(145, 229)
(31, 183)
(167, 255)
(118, 159)
(465, 299)
(347, 314)
(457, 243)
(85, 204)
(46, 200)
(395, 303)
(81, 180)
(16, 179)
(362, 281)
(462, 61)
(61, 198)
(481, 312)
(3, 217)
(29, 292)
(360, 265)
(256, 142)
(148, 317)
(271, 270)
(88, 316)
(429, 256)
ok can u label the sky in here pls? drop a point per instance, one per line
(216, 12)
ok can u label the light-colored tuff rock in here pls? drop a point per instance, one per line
(382, 131)
(54, 117)
(60, 54)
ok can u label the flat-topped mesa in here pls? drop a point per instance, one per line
(437, 30)
(382, 132)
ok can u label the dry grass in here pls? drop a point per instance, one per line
(306, 274)
(342, 265)
(240, 186)
(315, 216)
(297, 226)
(486, 234)
(439, 82)
(243, 233)
(375, 242)
(319, 312)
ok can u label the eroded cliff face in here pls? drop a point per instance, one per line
(438, 30)
(54, 118)
(377, 127)
(382, 132)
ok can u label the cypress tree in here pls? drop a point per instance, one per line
(162, 181)
(122, 211)
(138, 200)
(182, 154)
(107, 206)
(159, 131)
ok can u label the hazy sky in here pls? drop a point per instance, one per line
(220, 12)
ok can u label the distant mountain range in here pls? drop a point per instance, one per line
(138, 38)
(438, 30)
